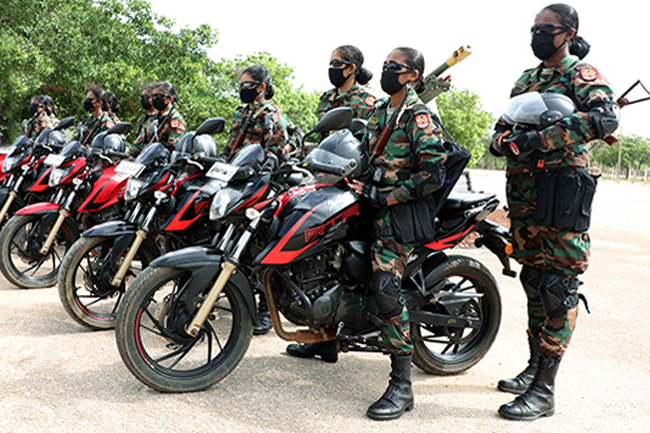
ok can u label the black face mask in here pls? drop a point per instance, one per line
(390, 81)
(145, 101)
(543, 45)
(248, 95)
(88, 104)
(336, 77)
(159, 104)
(33, 109)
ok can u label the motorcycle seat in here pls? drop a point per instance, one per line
(459, 202)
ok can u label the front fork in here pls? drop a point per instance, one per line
(64, 212)
(229, 266)
(10, 198)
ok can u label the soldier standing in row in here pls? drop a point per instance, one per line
(111, 106)
(547, 174)
(171, 125)
(97, 120)
(40, 119)
(143, 133)
(409, 168)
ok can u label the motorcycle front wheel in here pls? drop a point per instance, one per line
(84, 281)
(21, 261)
(445, 350)
(154, 346)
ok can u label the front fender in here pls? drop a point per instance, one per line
(111, 229)
(39, 208)
(204, 264)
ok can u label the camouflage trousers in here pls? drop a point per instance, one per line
(545, 249)
(391, 256)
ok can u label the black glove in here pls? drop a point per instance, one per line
(373, 197)
(519, 145)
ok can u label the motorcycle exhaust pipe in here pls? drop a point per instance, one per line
(140, 236)
(63, 214)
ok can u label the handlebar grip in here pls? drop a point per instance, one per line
(325, 168)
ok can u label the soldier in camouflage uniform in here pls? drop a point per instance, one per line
(97, 120)
(171, 125)
(247, 125)
(143, 132)
(347, 75)
(40, 119)
(552, 252)
(411, 164)
(111, 106)
(50, 109)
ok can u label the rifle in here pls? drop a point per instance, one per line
(436, 85)
(242, 133)
(390, 125)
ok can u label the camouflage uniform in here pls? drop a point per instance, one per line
(143, 131)
(255, 133)
(171, 127)
(356, 97)
(542, 249)
(37, 124)
(417, 134)
(93, 126)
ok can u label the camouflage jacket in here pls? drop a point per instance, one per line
(356, 97)
(255, 132)
(93, 126)
(143, 131)
(38, 123)
(415, 141)
(171, 127)
(566, 140)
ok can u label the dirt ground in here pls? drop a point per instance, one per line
(56, 376)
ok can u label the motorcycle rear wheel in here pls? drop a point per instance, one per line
(154, 347)
(20, 261)
(85, 291)
(448, 351)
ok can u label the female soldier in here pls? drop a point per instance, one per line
(143, 125)
(247, 126)
(408, 168)
(50, 109)
(97, 120)
(346, 73)
(111, 106)
(40, 119)
(552, 252)
(171, 125)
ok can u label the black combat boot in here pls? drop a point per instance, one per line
(264, 323)
(520, 384)
(538, 400)
(326, 350)
(399, 394)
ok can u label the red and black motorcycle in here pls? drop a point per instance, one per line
(186, 321)
(169, 204)
(84, 190)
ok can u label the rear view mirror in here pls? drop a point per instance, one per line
(120, 128)
(211, 126)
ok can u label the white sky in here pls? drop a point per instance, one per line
(302, 34)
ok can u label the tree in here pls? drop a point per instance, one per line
(462, 114)
(635, 152)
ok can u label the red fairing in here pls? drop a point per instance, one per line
(253, 199)
(278, 257)
(79, 165)
(3, 175)
(287, 196)
(450, 241)
(197, 209)
(38, 208)
(43, 182)
(107, 191)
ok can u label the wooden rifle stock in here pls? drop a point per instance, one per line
(388, 129)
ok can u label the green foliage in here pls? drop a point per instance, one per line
(462, 114)
(60, 47)
(635, 152)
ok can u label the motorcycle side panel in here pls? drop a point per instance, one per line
(42, 181)
(205, 264)
(194, 205)
(106, 191)
(319, 216)
(39, 208)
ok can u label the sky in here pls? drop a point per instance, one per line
(303, 34)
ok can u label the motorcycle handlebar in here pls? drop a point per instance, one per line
(324, 168)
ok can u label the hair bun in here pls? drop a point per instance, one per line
(579, 47)
(363, 76)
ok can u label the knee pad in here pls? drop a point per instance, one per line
(530, 278)
(559, 293)
(384, 289)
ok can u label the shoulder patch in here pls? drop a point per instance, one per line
(369, 100)
(422, 120)
(175, 123)
(588, 73)
(43, 124)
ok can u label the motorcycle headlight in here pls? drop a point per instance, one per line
(220, 204)
(8, 163)
(133, 187)
(58, 174)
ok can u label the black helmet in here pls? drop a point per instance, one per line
(104, 142)
(73, 150)
(341, 149)
(202, 145)
(538, 110)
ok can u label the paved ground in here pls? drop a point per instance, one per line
(56, 376)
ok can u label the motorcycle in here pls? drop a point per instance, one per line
(169, 209)
(34, 240)
(27, 177)
(186, 321)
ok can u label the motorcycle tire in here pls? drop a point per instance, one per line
(84, 289)
(154, 346)
(445, 350)
(20, 260)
